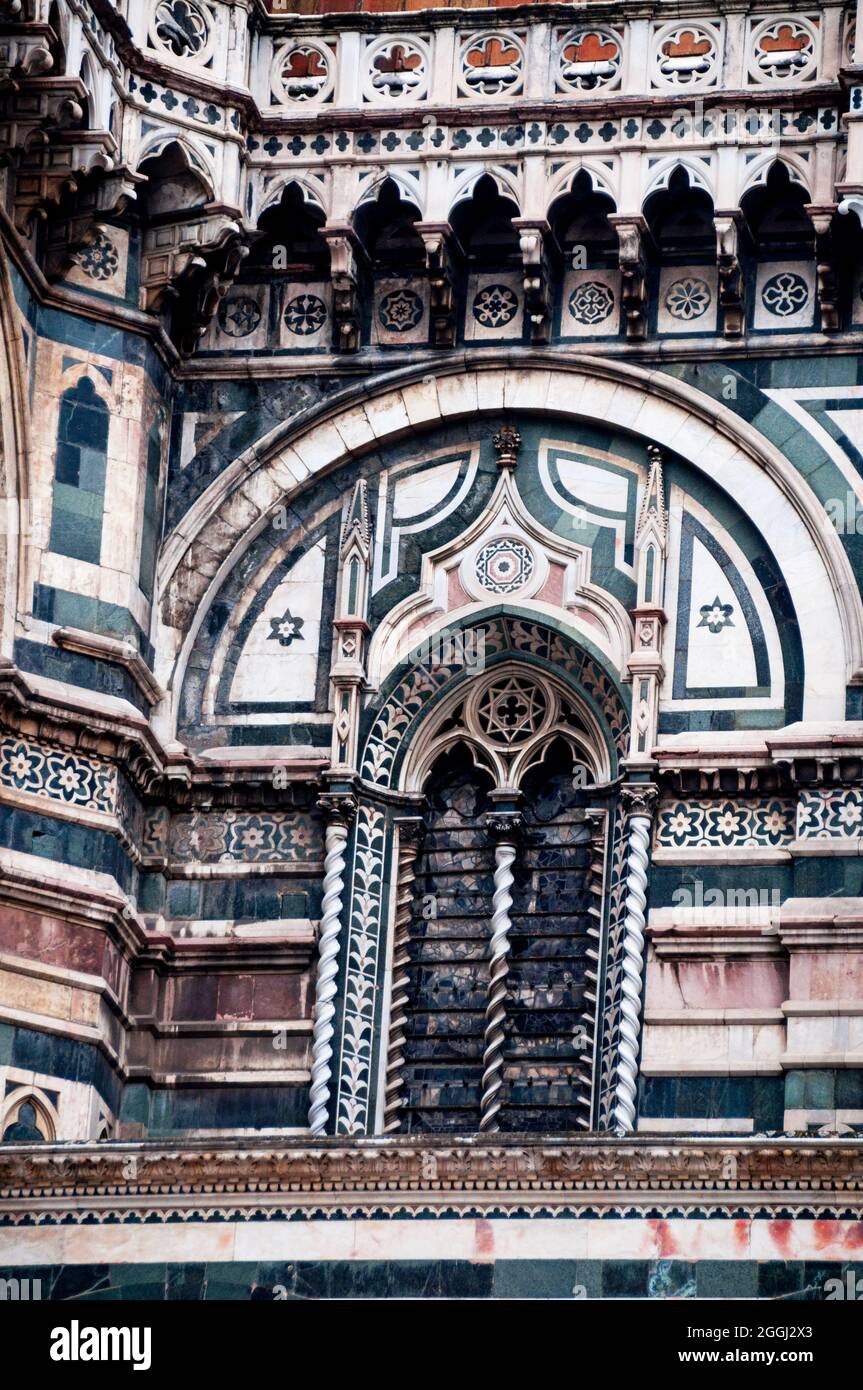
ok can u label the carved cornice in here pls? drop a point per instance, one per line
(124, 654)
(783, 1169)
(170, 774)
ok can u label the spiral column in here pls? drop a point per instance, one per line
(410, 835)
(339, 812)
(505, 829)
(639, 803)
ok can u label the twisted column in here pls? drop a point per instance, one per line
(505, 829)
(640, 803)
(410, 834)
(328, 950)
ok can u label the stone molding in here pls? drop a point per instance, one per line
(781, 1170)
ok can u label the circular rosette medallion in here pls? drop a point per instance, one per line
(589, 58)
(305, 314)
(239, 317)
(504, 565)
(305, 72)
(688, 298)
(495, 306)
(591, 302)
(400, 311)
(99, 260)
(492, 64)
(785, 294)
(182, 27)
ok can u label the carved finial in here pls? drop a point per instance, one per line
(507, 443)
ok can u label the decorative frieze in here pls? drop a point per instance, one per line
(67, 778)
(575, 1174)
(830, 814)
(244, 837)
(725, 824)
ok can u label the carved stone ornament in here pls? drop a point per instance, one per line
(639, 800)
(507, 443)
(504, 825)
(338, 807)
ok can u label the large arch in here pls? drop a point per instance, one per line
(15, 583)
(702, 430)
(402, 736)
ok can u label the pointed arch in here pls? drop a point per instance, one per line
(507, 185)
(312, 193)
(408, 185)
(15, 581)
(700, 175)
(758, 172)
(601, 180)
(193, 156)
(430, 683)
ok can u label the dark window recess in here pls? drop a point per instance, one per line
(79, 474)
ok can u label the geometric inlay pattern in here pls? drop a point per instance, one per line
(66, 777)
(830, 814)
(511, 711)
(733, 824)
(504, 565)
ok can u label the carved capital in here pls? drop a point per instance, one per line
(639, 799)
(821, 217)
(533, 243)
(411, 831)
(345, 258)
(338, 807)
(505, 827)
(731, 287)
(440, 250)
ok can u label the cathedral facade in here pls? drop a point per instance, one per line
(431, 648)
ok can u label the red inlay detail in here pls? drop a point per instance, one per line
(666, 1244)
(780, 1233)
(592, 49)
(493, 54)
(785, 40)
(307, 64)
(484, 1237)
(688, 46)
(398, 60)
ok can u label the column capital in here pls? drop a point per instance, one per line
(504, 826)
(338, 807)
(411, 830)
(639, 799)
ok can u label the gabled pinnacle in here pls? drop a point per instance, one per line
(356, 524)
(653, 508)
